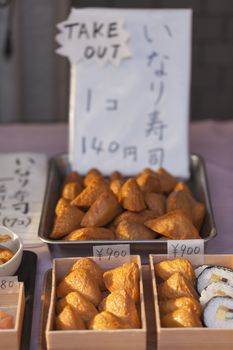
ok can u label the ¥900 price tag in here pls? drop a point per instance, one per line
(111, 256)
(192, 249)
(9, 284)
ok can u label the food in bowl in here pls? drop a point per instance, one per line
(4, 237)
(5, 255)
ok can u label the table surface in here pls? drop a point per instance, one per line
(212, 140)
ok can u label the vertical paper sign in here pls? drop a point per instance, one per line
(130, 82)
(22, 185)
(192, 249)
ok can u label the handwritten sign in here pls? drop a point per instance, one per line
(192, 249)
(22, 186)
(131, 113)
(9, 284)
(93, 38)
(111, 256)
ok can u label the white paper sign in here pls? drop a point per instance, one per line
(9, 284)
(192, 249)
(22, 186)
(90, 39)
(136, 114)
(111, 256)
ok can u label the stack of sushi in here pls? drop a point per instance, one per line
(215, 286)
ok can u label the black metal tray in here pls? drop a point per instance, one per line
(27, 274)
(59, 167)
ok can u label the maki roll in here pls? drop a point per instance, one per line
(199, 270)
(218, 313)
(214, 274)
(215, 289)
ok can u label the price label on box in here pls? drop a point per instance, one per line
(9, 284)
(111, 256)
(191, 249)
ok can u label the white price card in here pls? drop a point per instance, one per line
(9, 284)
(23, 179)
(192, 249)
(130, 83)
(111, 256)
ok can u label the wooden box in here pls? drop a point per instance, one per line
(12, 303)
(191, 338)
(124, 339)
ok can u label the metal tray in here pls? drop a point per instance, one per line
(27, 273)
(149, 305)
(59, 167)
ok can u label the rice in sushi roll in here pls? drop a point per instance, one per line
(199, 269)
(214, 274)
(215, 289)
(218, 313)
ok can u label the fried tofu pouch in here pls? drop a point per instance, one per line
(95, 271)
(71, 190)
(124, 277)
(115, 186)
(92, 174)
(176, 286)
(6, 254)
(61, 204)
(80, 280)
(182, 317)
(180, 200)
(79, 304)
(166, 307)
(106, 321)
(183, 200)
(166, 268)
(174, 225)
(120, 304)
(6, 320)
(135, 217)
(68, 221)
(148, 182)
(131, 196)
(89, 195)
(102, 211)
(69, 320)
(167, 181)
(155, 202)
(129, 230)
(73, 176)
(90, 233)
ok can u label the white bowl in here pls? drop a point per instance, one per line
(16, 245)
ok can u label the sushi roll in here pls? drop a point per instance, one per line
(215, 289)
(218, 313)
(214, 274)
(199, 270)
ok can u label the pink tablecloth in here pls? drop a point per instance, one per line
(212, 140)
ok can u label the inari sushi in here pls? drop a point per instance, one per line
(214, 274)
(218, 313)
(6, 320)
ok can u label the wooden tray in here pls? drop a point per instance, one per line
(200, 338)
(45, 302)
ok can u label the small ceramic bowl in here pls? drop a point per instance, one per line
(14, 244)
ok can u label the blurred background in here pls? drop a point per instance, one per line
(34, 81)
